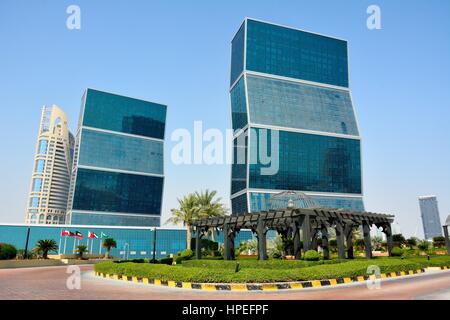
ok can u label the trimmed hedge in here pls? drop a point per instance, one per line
(255, 264)
(312, 255)
(253, 275)
(7, 251)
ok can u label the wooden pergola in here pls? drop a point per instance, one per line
(288, 223)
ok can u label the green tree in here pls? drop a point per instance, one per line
(438, 242)
(109, 243)
(411, 242)
(209, 207)
(377, 243)
(398, 240)
(80, 250)
(45, 246)
(423, 245)
(187, 212)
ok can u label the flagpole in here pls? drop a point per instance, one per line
(74, 242)
(60, 238)
(65, 243)
(100, 246)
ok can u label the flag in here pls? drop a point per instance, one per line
(103, 235)
(79, 235)
(92, 235)
(65, 233)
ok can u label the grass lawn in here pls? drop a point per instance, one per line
(252, 271)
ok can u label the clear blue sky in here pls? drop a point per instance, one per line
(178, 53)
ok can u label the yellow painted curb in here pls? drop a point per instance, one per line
(347, 280)
(157, 282)
(186, 285)
(171, 284)
(145, 280)
(135, 279)
(419, 271)
(208, 286)
(393, 274)
(316, 283)
(333, 282)
(296, 285)
(116, 277)
(383, 276)
(107, 275)
(238, 287)
(124, 278)
(360, 279)
(402, 273)
(269, 287)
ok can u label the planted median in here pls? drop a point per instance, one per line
(203, 271)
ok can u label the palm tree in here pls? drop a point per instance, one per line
(187, 212)
(44, 246)
(80, 250)
(109, 243)
(210, 207)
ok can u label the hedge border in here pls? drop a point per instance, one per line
(259, 286)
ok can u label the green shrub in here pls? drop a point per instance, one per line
(186, 253)
(206, 274)
(7, 251)
(154, 261)
(312, 255)
(166, 260)
(252, 263)
(439, 242)
(396, 252)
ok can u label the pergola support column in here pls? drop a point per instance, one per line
(228, 242)
(198, 244)
(367, 241)
(306, 228)
(388, 232)
(261, 235)
(349, 241)
(340, 240)
(296, 238)
(325, 246)
(447, 238)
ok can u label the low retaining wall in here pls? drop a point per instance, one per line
(7, 264)
(259, 286)
(32, 263)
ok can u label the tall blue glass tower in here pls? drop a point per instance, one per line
(290, 97)
(118, 172)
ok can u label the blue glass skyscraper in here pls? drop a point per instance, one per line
(118, 172)
(290, 97)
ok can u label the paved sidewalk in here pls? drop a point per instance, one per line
(50, 283)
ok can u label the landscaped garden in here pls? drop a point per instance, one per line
(272, 270)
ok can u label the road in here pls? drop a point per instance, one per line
(50, 283)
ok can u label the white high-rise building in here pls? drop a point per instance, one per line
(50, 180)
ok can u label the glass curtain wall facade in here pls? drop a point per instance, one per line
(291, 103)
(132, 242)
(50, 180)
(118, 172)
(430, 217)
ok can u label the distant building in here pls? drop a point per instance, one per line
(430, 216)
(47, 201)
(118, 171)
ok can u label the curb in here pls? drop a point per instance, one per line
(259, 286)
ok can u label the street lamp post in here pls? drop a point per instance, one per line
(154, 244)
(26, 244)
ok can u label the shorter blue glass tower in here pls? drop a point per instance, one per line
(118, 171)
